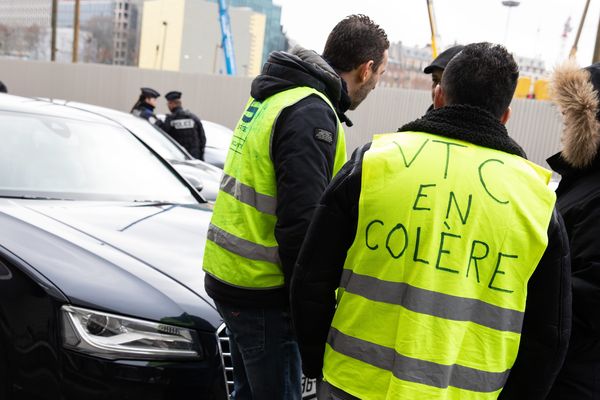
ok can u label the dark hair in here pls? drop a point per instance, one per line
(483, 75)
(354, 41)
(3, 88)
(141, 100)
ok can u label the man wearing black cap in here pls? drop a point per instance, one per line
(437, 66)
(144, 107)
(185, 127)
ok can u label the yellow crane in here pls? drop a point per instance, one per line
(433, 26)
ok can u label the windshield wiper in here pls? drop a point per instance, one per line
(26, 197)
(155, 202)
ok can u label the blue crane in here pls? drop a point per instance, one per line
(227, 42)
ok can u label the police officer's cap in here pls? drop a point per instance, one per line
(149, 92)
(443, 59)
(173, 95)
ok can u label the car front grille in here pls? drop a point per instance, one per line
(225, 351)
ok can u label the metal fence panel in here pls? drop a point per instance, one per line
(536, 125)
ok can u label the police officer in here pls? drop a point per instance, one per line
(185, 127)
(287, 146)
(145, 105)
(451, 262)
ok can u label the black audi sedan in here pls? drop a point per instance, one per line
(101, 284)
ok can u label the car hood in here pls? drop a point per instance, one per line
(161, 245)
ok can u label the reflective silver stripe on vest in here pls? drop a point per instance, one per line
(432, 303)
(247, 195)
(242, 247)
(415, 370)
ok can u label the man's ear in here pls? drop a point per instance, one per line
(506, 116)
(439, 100)
(365, 70)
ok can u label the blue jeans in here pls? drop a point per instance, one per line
(264, 352)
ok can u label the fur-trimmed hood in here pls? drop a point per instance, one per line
(573, 91)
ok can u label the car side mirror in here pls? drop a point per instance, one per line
(194, 182)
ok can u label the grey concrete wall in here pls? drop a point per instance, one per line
(535, 125)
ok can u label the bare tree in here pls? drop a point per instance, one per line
(32, 36)
(101, 29)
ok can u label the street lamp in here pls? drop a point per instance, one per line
(510, 4)
(162, 61)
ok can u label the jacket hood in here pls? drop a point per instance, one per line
(300, 67)
(572, 90)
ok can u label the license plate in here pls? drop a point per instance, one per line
(309, 388)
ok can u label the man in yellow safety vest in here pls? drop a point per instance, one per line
(286, 148)
(450, 263)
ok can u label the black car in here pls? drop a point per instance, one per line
(101, 282)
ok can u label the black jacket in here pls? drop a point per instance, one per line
(186, 128)
(303, 161)
(547, 316)
(579, 203)
(578, 200)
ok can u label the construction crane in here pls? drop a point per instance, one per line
(573, 51)
(564, 37)
(227, 41)
(433, 25)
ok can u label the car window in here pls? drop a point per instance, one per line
(64, 158)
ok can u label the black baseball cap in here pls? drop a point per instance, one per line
(443, 59)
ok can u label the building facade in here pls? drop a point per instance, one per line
(185, 35)
(275, 39)
(24, 27)
(405, 67)
(109, 30)
(115, 25)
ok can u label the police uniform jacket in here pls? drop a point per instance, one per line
(186, 128)
(146, 111)
(546, 323)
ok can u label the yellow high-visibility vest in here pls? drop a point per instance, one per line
(433, 290)
(241, 249)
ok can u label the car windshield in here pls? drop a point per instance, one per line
(49, 157)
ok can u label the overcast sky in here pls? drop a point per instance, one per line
(535, 27)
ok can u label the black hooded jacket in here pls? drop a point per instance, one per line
(303, 161)
(547, 318)
(578, 198)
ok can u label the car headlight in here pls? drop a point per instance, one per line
(116, 337)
